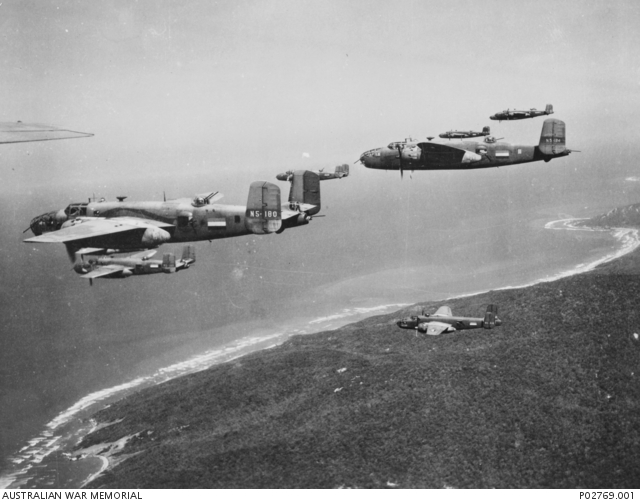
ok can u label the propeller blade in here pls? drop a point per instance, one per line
(400, 160)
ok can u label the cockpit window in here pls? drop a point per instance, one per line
(76, 210)
(394, 145)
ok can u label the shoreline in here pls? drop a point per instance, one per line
(51, 440)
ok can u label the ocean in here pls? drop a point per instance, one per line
(383, 245)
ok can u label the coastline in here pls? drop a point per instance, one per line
(74, 418)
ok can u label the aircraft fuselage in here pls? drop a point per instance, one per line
(185, 222)
(457, 322)
(479, 154)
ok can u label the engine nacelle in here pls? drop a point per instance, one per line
(154, 236)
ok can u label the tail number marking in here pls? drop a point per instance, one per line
(268, 214)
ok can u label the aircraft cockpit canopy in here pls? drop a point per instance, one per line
(489, 139)
(395, 144)
(76, 210)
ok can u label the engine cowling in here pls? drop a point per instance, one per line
(154, 236)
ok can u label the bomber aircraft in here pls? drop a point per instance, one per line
(514, 115)
(467, 154)
(94, 263)
(133, 226)
(341, 171)
(19, 132)
(466, 134)
(443, 321)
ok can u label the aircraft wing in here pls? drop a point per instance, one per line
(19, 132)
(437, 153)
(91, 227)
(436, 327)
(143, 254)
(105, 270)
(443, 311)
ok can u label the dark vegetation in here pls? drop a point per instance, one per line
(550, 399)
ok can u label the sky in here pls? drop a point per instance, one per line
(189, 97)
(228, 87)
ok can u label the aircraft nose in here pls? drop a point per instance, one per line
(367, 158)
(498, 322)
(46, 222)
(492, 117)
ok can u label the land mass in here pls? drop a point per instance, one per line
(549, 399)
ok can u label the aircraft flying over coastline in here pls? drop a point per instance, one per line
(341, 171)
(467, 154)
(466, 134)
(514, 115)
(94, 263)
(20, 132)
(443, 321)
(132, 226)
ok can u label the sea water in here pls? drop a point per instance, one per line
(78, 348)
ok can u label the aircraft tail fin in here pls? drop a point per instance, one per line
(486, 130)
(549, 109)
(168, 263)
(490, 316)
(264, 213)
(552, 138)
(189, 254)
(305, 189)
(342, 170)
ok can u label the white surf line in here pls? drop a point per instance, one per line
(355, 311)
(630, 239)
(47, 442)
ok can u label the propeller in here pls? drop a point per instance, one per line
(399, 149)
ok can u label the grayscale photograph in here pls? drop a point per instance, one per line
(273, 244)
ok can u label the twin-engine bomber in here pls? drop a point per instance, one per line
(109, 227)
(443, 321)
(468, 154)
(340, 172)
(514, 115)
(94, 263)
(486, 131)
